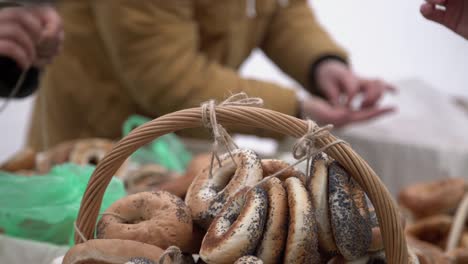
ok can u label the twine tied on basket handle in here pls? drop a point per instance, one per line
(173, 253)
(305, 148)
(80, 234)
(208, 111)
(78, 231)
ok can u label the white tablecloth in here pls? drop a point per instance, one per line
(19, 251)
(426, 139)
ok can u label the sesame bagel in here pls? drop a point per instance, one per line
(207, 194)
(318, 189)
(431, 198)
(156, 218)
(272, 243)
(110, 251)
(302, 240)
(349, 214)
(272, 166)
(238, 228)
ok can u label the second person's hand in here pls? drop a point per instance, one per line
(339, 84)
(454, 17)
(324, 113)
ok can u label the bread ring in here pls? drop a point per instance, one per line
(146, 177)
(207, 195)
(237, 230)
(20, 161)
(179, 186)
(302, 241)
(197, 164)
(349, 214)
(157, 218)
(412, 257)
(318, 188)
(458, 256)
(427, 253)
(434, 230)
(436, 197)
(249, 260)
(270, 248)
(271, 166)
(464, 240)
(57, 155)
(92, 151)
(110, 251)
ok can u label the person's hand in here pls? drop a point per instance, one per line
(323, 113)
(30, 35)
(52, 34)
(20, 30)
(340, 85)
(454, 17)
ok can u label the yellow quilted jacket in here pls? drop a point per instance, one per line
(152, 57)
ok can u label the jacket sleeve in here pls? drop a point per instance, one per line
(295, 41)
(154, 50)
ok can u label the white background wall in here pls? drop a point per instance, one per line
(388, 39)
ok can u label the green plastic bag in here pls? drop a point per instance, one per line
(167, 150)
(44, 207)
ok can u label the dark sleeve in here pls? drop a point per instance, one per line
(10, 72)
(313, 85)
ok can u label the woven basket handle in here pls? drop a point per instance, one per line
(244, 116)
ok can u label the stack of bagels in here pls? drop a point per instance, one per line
(236, 212)
(81, 152)
(430, 211)
(137, 177)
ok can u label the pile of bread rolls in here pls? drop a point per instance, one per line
(236, 212)
(84, 151)
(430, 211)
(137, 177)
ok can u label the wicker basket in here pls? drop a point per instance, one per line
(391, 226)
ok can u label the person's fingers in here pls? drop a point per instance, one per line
(391, 88)
(368, 114)
(436, 2)
(331, 90)
(16, 34)
(52, 22)
(52, 35)
(13, 51)
(373, 90)
(338, 116)
(31, 24)
(349, 85)
(430, 12)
